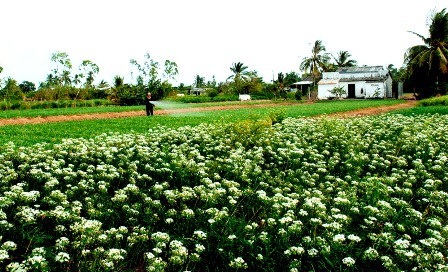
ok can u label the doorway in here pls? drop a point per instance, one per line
(351, 91)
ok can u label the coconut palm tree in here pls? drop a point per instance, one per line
(316, 63)
(343, 59)
(199, 81)
(239, 71)
(281, 84)
(429, 62)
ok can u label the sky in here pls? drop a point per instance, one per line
(204, 37)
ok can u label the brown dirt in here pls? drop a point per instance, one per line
(62, 118)
(374, 111)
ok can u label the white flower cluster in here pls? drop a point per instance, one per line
(366, 189)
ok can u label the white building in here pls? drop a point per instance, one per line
(358, 82)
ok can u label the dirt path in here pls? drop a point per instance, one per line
(374, 111)
(62, 118)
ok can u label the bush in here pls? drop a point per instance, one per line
(338, 92)
(298, 95)
(57, 104)
(212, 93)
(205, 98)
(434, 101)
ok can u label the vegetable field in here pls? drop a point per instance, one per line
(29, 134)
(360, 194)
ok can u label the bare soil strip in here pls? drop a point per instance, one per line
(374, 111)
(64, 118)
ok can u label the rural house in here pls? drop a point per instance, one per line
(302, 85)
(358, 82)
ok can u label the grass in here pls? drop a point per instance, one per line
(26, 135)
(434, 101)
(422, 110)
(6, 114)
(30, 113)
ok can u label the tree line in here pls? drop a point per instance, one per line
(425, 72)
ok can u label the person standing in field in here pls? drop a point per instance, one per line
(149, 105)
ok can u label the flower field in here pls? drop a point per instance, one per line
(361, 194)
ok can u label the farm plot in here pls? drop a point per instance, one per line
(361, 194)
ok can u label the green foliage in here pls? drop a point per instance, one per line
(338, 92)
(11, 91)
(130, 95)
(277, 115)
(427, 65)
(205, 98)
(315, 63)
(251, 130)
(31, 134)
(434, 101)
(298, 95)
(291, 77)
(426, 110)
(212, 92)
(27, 87)
(54, 104)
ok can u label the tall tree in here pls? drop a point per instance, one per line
(62, 69)
(343, 59)
(428, 63)
(11, 91)
(239, 71)
(199, 81)
(291, 78)
(170, 70)
(315, 63)
(88, 70)
(149, 69)
(77, 79)
(280, 84)
(27, 86)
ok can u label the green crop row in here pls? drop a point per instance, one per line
(54, 132)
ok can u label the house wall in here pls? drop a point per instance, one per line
(389, 87)
(363, 89)
(375, 90)
(323, 91)
(358, 86)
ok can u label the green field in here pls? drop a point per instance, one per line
(304, 194)
(419, 110)
(25, 135)
(165, 105)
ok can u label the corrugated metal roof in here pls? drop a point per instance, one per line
(303, 82)
(328, 81)
(371, 79)
(360, 69)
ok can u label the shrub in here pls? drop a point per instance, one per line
(338, 92)
(298, 95)
(434, 101)
(212, 93)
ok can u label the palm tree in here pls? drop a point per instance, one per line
(280, 82)
(199, 81)
(239, 71)
(343, 59)
(429, 62)
(316, 63)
